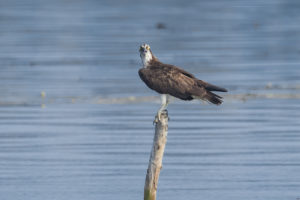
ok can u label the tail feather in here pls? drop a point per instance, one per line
(213, 98)
(210, 97)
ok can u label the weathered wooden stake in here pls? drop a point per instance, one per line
(155, 162)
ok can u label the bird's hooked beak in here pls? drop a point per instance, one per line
(145, 54)
(144, 49)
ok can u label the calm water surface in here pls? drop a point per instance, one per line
(76, 120)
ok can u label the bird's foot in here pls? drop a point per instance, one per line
(157, 118)
(159, 114)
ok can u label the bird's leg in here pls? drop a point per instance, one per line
(168, 101)
(164, 104)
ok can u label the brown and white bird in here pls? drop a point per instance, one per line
(169, 80)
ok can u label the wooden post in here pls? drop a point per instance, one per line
(155, 162)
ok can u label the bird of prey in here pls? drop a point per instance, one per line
(169, 80)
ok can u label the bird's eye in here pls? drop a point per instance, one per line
(147, 47)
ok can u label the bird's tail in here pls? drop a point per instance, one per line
(210, 97)
(213, 98)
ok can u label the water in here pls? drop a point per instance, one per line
(76, 120)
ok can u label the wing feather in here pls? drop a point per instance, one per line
(167, 80)
(210, 87)
(172, 80)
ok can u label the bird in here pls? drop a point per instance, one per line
(170, 80)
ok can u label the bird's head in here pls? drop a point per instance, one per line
(146, 54)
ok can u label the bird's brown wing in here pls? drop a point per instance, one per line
(210, 87)
(179, 70)
(168, 81)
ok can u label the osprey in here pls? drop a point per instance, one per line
(169, 80)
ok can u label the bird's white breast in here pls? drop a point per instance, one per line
(146, 58)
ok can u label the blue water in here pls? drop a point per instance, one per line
(76, 120)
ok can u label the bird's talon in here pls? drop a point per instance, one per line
(166, 111)
(156, 119)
